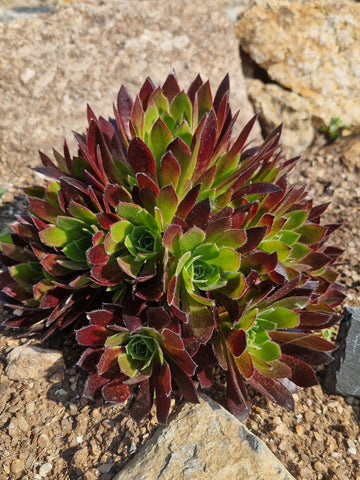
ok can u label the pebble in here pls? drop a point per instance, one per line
(17, 466)
(105, 467)
(45, 469)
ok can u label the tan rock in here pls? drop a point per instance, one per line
(204, 442)
(82, 53)
(32, 363)
(311, 48)
(277, 105)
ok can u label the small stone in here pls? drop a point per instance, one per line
(45, 469)
(30, 407)
(352, 451)
(90, 476)
(43, 440)
(80, 457)
(105, 467)
(30, 362)
(27, 75)
(22, 423)
(299, 429)
(17, 466)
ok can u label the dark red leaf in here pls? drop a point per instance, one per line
(207, 144)
(262, 262)
(132, 322)
(158, 318)
(237, 342)
(146, 90)
(124, 106)
(171, 87)
(96, 255)
(108, 359)
(141, 159)
(93, 386)
(254, 237)
(236, 395)
(100, 317)
(273, 389)
(116, 391)
(143, 402)
(145, 181)
(89, 359)
(92, 335)
(311, 357)
(301, 373)
(188, 202)
(222, 90)
(162, 384)
(199, 214)
(194, 87)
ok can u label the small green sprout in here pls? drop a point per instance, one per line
(334, 129)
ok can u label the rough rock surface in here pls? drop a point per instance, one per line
(281, 106)
(54, 64)
(310, 48)
(204, 441)
(32, 363)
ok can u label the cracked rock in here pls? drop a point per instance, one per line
(204, 441)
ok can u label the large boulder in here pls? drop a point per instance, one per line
(204, 442)
(310, 48)
(56, 63)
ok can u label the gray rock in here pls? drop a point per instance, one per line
(204, 442)
(32, 363)
(343, 375)
(83, 52)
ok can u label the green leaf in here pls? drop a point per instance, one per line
(129, 211)
(191, 239)
(82, 213)
(71, 225)
(183, 131)
(54, 236)
(119, 231)
(298, 251)
(160, 137)
(268, 351)
(117, 339)
(76, 250)
(150, 118)
(27, 273)
(167, 201)
(228, 260)
(311, 234)
(295, 219)
(128, 365)
(282, 317)
(271, 246)
(181, 109)
(289, 238)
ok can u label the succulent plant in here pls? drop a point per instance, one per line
(186, 249)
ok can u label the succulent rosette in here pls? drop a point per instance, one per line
(124, 355)
(162, 210)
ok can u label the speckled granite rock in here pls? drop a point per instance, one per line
(31, 362)
(54, 64)
(204, 442)
(311, 48)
